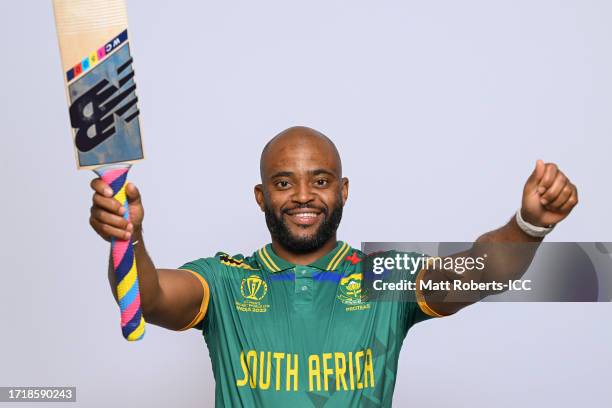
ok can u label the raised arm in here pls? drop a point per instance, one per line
(548, 198)
(171, 298)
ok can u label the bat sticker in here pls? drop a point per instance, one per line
(96, 56)
(103, 111)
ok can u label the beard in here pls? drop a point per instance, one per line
(309, 243)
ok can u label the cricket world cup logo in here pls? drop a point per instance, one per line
(253, 288)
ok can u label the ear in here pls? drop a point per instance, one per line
(345, 189)
(259, 196)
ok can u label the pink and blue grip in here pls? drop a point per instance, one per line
(124, 262)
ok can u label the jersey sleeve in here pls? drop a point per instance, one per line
(423, 310)
(412, 305)
(204, 270)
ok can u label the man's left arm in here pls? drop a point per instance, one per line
(548, 198)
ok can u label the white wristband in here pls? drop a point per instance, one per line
(530, 229)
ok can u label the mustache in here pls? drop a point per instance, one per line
(324, 210)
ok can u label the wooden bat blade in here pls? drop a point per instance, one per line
(99, 78)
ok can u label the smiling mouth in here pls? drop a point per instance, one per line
(304, 217)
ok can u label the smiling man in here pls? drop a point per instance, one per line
(289, 325)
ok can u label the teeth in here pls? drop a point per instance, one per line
(311, 215)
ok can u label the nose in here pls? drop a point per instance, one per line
(303, 193)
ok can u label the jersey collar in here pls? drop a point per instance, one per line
(329, 262)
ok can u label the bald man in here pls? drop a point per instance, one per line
(288, 325)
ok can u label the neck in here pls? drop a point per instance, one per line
(303, 259)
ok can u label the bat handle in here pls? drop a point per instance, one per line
(124, 261)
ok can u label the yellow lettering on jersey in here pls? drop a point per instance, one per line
(278, 357)
(359, 366)
(265, 385)
(314, 372)
(242, 383)
(292, 372)
(327, 370)
(368, 370)
(340, 370)
(358, 355)
(252, 356)
(351, 374)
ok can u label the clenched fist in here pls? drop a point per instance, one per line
(548, 196)
(107, 214)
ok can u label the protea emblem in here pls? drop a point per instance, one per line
(349, 290)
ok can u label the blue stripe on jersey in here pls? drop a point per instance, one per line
(282, 276)
(327, 276)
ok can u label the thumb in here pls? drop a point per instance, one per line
(132, 194)
(538, 173)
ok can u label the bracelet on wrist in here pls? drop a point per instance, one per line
(530, 229)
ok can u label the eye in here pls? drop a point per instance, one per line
(282, 184)
(321, 182)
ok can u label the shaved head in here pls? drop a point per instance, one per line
(299, 137)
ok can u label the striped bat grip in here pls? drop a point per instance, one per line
(124, 261)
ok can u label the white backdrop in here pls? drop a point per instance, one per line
(439, 110)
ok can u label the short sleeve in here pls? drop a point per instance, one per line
(411, 303)
(204, 271)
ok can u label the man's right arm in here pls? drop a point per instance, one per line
(172, 298)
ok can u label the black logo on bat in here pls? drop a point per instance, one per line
(93, 113)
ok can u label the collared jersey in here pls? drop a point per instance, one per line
(285, 335)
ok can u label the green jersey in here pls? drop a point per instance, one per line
(285, 335)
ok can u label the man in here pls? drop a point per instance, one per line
(286, 326)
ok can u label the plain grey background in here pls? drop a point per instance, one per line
(439, 110)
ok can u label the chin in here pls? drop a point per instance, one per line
(305, 233)
(303, 237)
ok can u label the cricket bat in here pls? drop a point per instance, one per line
(104, 117)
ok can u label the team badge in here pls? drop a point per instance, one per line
(350, 289)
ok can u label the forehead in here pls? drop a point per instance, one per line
(298, 155)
